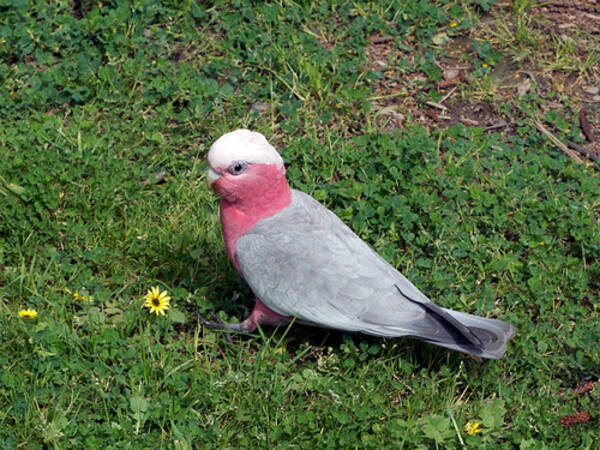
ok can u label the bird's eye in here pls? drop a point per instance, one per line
(237, 167)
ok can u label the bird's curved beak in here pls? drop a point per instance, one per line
(212, 176)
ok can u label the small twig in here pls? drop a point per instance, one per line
(592, 16)
(431, 114)
(382, 39)
(468, 122)
(499, 124)
(450, 92)
(396, 93)
(557, 6)
(324, 339)
(585, 125)
(451, 82)
(582, 150)
(436, 105)
(557, 142)
(463, 67)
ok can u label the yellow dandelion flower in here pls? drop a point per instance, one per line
(453, 24)
(542, 243)
(77, 296)
(473, 428)
(156, 301)
(484, 65)
(28, 314)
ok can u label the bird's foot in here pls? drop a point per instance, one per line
(217, 324)
(260, 315)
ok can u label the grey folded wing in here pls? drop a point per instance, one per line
(306, 263)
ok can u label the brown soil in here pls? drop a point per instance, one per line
(396, 92)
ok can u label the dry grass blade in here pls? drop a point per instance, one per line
(557, 142)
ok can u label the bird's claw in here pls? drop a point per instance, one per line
(218, 324)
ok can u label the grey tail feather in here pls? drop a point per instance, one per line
(467, 333)
(481, 336)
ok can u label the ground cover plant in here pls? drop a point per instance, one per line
(418, 122)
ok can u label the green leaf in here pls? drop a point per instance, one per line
(492, 413)
(197, 11)
(176, 316)
(437, 428)
(440, 39)
(139, 406)
(7, 188)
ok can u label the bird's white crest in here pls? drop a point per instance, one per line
(242, 145)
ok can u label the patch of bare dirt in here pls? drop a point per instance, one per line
(396, 93)
(564, 14)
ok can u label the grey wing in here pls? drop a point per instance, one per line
(305, 262)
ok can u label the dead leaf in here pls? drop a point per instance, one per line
(391, 111)
(523, 87)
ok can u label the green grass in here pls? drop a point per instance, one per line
(95, 103)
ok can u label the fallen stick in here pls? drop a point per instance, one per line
(442, 84)
(582, 150)
(450, 92)
(436, 105)
(468, 122)
(557, 142)
(499, 124)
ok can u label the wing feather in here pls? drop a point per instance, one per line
(306, 263)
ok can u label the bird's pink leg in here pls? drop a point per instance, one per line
(261, 315)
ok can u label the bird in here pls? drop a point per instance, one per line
(304, 264)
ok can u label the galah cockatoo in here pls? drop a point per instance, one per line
(302, 262)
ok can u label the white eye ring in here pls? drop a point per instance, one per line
(237, 167)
